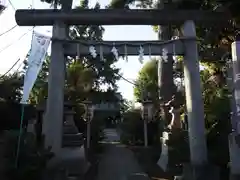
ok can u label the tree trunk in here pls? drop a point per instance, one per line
(165, 74)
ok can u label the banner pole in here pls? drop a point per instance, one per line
(20, 134)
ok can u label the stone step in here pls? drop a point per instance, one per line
(70, 129)
(73, 137)
(72, 143)
(72, 140)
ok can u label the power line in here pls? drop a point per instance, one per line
(126, 80)
(9, 69)
(15, 41)
(9, 30)
(18, 59)
(19, 66)
(10, 2)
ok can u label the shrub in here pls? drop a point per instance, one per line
(32, 160)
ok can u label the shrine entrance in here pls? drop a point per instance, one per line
(185, 46)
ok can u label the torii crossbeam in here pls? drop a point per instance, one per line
(118, 17)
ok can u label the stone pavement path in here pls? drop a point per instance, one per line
(111, 135)
(118, 162)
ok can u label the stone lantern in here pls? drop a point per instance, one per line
(147, 116)
(88, 116)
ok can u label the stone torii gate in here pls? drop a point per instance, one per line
(185, 46)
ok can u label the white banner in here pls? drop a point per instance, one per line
(39, 47)
(3, 3)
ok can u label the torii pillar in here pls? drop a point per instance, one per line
(234, 136)
(56, 82)
(199, 168)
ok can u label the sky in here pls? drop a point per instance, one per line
(10, 54)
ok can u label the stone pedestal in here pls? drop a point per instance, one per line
(175, 150)
(69, 126)
(72, 158)
(204, 172)
(71, 135)
(31, 126)
(163, 160)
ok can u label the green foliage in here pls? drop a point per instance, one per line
(216, 107)
(217, 115)
(84, 75)
(32, 160)
(80, 80)
(215, 41)
(10, 96)
(120, 4)
(147, 81)
(10, 87)
(132, 127)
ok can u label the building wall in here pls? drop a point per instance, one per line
(115, 106)
(107, 106)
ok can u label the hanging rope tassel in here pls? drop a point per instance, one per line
(150, 52)
(78, 52)
(115, 52)
(141, 54)
(126, 53)
(101, 54)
